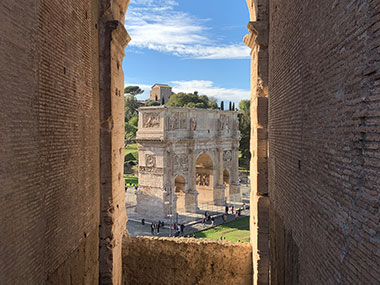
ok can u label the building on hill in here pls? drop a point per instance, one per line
(161, 93)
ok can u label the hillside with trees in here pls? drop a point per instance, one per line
(192, 100)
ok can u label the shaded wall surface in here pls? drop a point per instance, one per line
(49, 175)
(149, 260)
(324, 141)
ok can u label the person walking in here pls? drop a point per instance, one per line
(212, 221)
(158, 227)
(182, 228)
(226, 210)
(152, 228)
(232, 209)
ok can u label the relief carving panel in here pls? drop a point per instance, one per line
(181, 161)
(227, 156)
(177, 121)
(193, 123)
(224, 123)
(150, 160)
(151, 120)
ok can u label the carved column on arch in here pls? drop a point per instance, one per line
(191, 194)
(219, 189)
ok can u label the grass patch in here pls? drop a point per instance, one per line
(232, 231)
(131, 150)
(130, 179)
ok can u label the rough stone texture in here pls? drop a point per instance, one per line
(49, 176)
(191, 146)
(112, 202)
(257, 41)
(324, 138)
(50, 154)
(148, 260)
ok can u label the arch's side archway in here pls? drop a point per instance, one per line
(204, 178)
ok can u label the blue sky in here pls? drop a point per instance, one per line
(192, 45)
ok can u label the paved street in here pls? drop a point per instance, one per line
(135, 228)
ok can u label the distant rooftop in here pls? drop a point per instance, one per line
(161, 85)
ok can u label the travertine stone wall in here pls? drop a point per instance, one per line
(49, 134)
(185, 261)
(324, 138)
(52, 55)
(195, 144)
(114, 38)
(257, 41)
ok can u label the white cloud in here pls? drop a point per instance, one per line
(208, 88)
(156, 25)
(204, 87)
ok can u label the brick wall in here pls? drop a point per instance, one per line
(148, 260)
(49, 176)
(324, 141)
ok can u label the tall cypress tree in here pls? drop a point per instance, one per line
(230, 106)
(233, 107)
(222, 105)
(163, 101)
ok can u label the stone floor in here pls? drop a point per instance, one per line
(192, 221)
(135, 228)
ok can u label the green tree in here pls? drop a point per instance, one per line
(245, 128)
(212, 103)
(130, 107)
(192, 100)
(131, 128)
(222, 105)
(151, 103)
(133, 90)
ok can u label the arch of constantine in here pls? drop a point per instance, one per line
(187, 157)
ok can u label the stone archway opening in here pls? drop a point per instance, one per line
(226, 184)
(179, 190)
(204, 178)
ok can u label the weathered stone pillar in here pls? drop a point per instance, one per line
(257, 40)
(191, 201)
(235, 194)
(191, 194)
(219, 189)
(113, 38)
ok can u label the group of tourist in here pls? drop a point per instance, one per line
(178, 229)
(155, 227)
(127, 185)
(208, 219)
(237, 213)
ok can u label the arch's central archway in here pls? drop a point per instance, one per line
(204, 178)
